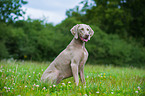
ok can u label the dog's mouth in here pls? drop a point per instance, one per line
(85, 39)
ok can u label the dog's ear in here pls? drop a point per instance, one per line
(74, 31)
(91, 31)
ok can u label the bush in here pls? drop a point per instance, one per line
(38, 39)
(3, 50)
(34, 40)
(111, 49)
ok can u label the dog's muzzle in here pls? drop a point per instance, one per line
(85, 38)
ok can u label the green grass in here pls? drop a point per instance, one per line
(23, 79)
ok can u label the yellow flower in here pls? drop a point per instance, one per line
(25, 56)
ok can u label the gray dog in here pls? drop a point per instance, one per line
(70, 62)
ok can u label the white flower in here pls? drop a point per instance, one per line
(136, 91)
(97, 92)
(111, 92)
(29, 76)
(54, 85)
(5, 87)
(69, 82)
(138, 88)
(37, 85)
(86, 95)
(87, 76)
(33, 72)
(34, 85)
(63, 84)
(26, 86)
(44, 88)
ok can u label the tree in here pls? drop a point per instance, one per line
(11, 9)
(122, 17)
(136, 26)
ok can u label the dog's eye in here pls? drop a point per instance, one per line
(87, 29)
(82, 29)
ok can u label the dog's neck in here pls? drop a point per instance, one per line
(77, 43)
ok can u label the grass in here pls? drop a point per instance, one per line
(23, 79)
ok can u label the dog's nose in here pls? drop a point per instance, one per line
(86, 36)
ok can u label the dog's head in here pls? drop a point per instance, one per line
(82, 32)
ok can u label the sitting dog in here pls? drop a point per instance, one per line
(70, 62)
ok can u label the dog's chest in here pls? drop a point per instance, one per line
(78, 54)
(81, 53)
(84, 57)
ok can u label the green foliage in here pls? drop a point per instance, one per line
(122, 17)
(34, 40)
(111, 49)
(23, 78)
(3, 38)
(37, 44)
(11, 9)
(3, 50)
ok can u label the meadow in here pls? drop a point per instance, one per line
(22, 78)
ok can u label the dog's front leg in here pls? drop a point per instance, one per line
(85, 57)
(82, 74)
(74, 68)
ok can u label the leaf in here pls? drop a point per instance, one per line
(24, 2)
(81, 2)
(15, 18)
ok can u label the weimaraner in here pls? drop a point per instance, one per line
(70, 62)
